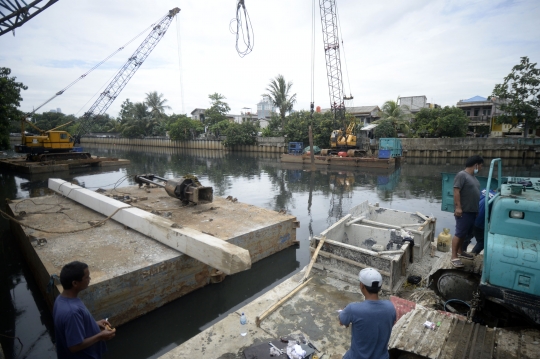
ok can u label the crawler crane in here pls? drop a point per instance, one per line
(59, 145)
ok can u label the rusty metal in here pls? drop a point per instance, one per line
(187, 189)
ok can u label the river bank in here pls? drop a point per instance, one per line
(444, 148)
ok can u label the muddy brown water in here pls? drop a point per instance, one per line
(317, 198)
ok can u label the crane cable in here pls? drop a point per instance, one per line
(344, 57)
(92, 69)
(180, 62)
(312, 105)
(248, 36)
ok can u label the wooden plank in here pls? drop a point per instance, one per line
(335, 225)
(208, 249)
(355, 220)
(270, 310)
(313, 259)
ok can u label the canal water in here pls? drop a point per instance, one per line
(317, 198)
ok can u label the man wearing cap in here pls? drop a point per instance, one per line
(371, 320)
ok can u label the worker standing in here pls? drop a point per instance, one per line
(78, 335)
(466, 198)
(371, 320)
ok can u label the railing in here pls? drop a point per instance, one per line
(483, 118)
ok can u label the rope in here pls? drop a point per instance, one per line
(248, 36)
(7, 216)
(312, 104)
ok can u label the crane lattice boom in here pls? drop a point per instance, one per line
(121, 79)
(333, 62)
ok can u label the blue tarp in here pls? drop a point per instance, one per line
(475, 99)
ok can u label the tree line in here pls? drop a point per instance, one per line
(519, 103)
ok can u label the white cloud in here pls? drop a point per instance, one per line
(446, 50)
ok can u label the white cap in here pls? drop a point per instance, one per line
(370, 278)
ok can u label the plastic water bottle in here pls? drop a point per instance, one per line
(243, 325)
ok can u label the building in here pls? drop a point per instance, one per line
(414, 103)
(265, 108)
(481, 112)
(198, 114)
(365, 114)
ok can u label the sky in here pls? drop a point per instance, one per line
(445, 50)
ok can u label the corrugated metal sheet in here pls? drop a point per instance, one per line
(455, 338)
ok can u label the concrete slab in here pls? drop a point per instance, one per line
(208, 249)
(133, 274)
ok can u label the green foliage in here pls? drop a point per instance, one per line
(183, 128)
(396, 114)
(385, 129)
(156, 103)
(240, 134)
(10, 97)
(297, 128)
(440, 122)
(273, 129)
(520, 96)
(139, 120)
(219, 128)
(278, 93)
(218, 110)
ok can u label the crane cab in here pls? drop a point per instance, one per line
(50, 141)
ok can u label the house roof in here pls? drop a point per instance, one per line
(475, 99)
(198, 109)
(369, 127)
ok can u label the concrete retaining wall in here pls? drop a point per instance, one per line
(444, 148)
(264, 144)
(524, 148)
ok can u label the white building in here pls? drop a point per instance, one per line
(265, 109)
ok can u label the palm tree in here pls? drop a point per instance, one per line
(156, 103)
(278, 93)
(398, 115)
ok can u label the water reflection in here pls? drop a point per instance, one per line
(316, 197)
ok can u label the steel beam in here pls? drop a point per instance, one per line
(208, 249)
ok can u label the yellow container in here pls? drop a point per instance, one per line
(444, 240)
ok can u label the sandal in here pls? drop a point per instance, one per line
(457, 263)
(465, 255)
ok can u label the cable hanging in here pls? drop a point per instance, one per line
(243, 26)
(87, 72)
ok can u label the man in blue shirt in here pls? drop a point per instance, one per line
(78, 335)
(372, 320)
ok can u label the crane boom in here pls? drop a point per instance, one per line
(333, 61)
(58, 145)
(123, 76)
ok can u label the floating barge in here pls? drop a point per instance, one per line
(132, 273)
(19, 164)
(341, 161)
(307, 310)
